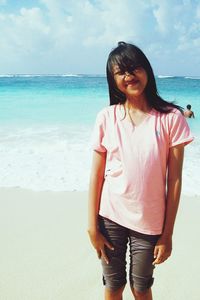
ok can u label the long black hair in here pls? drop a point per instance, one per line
(128, 57)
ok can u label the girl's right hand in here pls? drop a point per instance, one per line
(99, 242)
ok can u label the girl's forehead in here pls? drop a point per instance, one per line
(125, 67)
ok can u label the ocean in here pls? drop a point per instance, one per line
(46, 124)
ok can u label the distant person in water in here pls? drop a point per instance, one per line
(188, 113)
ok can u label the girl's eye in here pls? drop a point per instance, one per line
(119, 73)
(138, 69)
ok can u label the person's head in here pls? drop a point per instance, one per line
(189, 106)
(128, 60)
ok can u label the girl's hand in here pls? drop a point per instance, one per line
(162, 249)
(99, 242)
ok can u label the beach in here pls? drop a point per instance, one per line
(46, 254)
(46, 124)
(62, 64)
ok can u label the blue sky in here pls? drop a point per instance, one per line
(67, 36)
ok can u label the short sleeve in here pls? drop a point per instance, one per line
(179, 130)
(98, 134)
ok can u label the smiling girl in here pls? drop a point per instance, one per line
(135, 182)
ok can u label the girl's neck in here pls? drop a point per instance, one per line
(137, 104)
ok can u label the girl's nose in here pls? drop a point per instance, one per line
(127, 75)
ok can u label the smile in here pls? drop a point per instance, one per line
(131, 82)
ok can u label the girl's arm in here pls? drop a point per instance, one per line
(175, 162)
(95, 188)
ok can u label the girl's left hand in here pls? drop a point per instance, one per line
(162, 249)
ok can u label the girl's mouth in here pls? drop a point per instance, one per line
(132, 82)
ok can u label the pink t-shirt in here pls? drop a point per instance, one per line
(133, 193)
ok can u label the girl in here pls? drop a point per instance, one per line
(135, 182)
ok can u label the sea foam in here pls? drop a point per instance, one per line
(52, 158)
(58, 158)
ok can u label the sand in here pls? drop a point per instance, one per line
(45, 252)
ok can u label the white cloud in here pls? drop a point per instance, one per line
(162, 13)
(24, 32)
(76, 36)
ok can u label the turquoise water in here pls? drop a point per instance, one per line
(73, 99)
(50, 99)
(46, 123)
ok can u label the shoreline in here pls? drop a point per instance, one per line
(46, 253)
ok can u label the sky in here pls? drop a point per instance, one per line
(75, 37)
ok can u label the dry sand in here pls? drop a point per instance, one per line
(45, 253)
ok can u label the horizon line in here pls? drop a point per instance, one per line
(84, 74)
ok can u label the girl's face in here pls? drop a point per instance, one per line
(131, 84)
